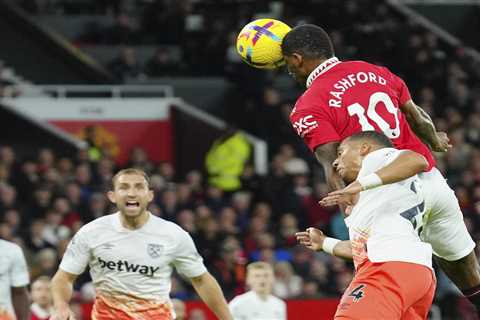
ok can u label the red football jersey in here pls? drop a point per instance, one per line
(344, 98)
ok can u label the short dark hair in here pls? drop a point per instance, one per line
(377, 137)
(308, 40)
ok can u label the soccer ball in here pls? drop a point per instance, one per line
(259, 43)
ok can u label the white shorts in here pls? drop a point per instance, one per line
(443, 227)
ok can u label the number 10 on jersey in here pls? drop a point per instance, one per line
(358, 110)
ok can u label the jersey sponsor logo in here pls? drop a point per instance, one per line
(125, 266)
(304, 125)
(154, 250)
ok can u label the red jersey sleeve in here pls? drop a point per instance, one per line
(313, 124)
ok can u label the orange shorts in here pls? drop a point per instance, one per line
(388, 291)
(103, 310)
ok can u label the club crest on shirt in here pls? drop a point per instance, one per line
(154, 250)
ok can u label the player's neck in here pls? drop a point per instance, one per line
(315, 63)
(262, 295)
(133, 223)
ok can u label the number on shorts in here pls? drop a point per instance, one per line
(358, 110)
(357, 293)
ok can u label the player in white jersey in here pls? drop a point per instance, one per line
(258, 303)
(14, 280)
(394, 277)
(131, 254)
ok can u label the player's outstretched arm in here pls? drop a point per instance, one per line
(407, 164)
(316, 240)
(423, 126)
(62, 290)
(211, 293)
(21, 302)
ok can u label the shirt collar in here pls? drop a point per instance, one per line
(322, 68)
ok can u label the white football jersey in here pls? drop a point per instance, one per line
(385, 223)
(249, 306)
(131, 269)
(13, 273)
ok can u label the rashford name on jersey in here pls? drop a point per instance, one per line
(351, 81)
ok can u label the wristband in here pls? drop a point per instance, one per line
(329, 244)
(370, 181)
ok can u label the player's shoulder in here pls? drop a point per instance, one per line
(381, 153)
(242, 298)
(164, 226)
(106, 221)
(9, 248)
(363, 65)
(310, 102)
(277, 300)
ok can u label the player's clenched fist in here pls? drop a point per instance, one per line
(442, 142)
(311, 238)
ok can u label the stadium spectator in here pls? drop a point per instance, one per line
(41, 307)
(126, 66)
(226, 159)
(229, 268)
(162, 64)
(258, 302)
(287, 284)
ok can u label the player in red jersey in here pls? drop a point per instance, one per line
(343, 98)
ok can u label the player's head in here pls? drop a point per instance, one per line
(131, 192)
(260, 277)
(180, 309)
(304, 48)
(353, 149)
(40, 292)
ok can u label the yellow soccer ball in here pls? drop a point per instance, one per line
(259, 43)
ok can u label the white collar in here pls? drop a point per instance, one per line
(322, 68)
(39, 311)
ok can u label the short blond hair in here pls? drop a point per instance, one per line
(134, 171)
(259, 265)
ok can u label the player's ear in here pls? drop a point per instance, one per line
(150, 195)
(298, 59)
(365, 148)
(111, 196)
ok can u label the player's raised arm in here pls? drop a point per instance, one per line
(62, 290)
(210, 292)
(423, 126)
(407, 164)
